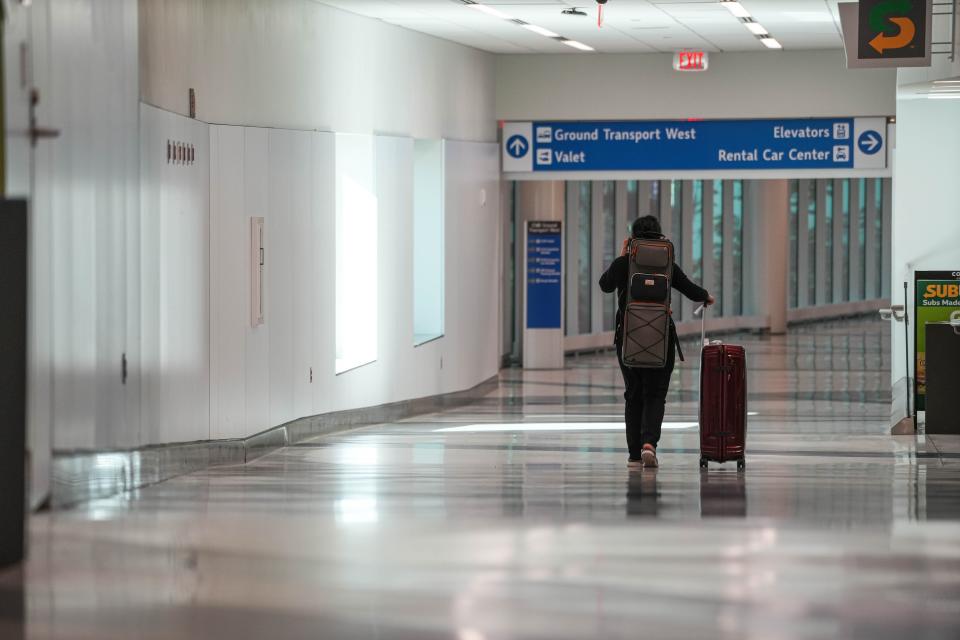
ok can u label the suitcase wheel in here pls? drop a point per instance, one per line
(741, 465)
(703, 462)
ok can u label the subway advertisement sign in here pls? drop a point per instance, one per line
(937, 300)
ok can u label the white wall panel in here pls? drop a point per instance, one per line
(229, 283)
(324, 265)
(256, 202)
(281, 236)
(471, 263)
(175, 244)
(302, 278)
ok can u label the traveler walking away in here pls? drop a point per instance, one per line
(648, 354)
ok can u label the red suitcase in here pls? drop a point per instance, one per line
(723, 403)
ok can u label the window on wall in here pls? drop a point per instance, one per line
(845, 235)
(428, 267)
(697, 235)
(737, 249)
(794, 243)
(828, 221)
(811, 243)
(584, 280)
(356, 252)
(609, 243)
(655, 198)
(716, 287)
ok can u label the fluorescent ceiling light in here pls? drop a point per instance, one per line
(544, 32)
(771, 43)
(496, 13)
(490, 11)
(944, 96)
(577, 45)
(735, 8)
(756, 28)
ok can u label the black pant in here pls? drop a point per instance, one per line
(646, 396)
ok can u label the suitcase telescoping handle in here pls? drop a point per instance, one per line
(702, 312)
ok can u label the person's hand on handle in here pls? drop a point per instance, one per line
(710, 301)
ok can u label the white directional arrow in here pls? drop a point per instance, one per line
(872, 141)
(518, 147)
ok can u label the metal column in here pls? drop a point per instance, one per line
(709, 268)
(686, 241)
(873, 277)
(838, 241)
(571, 247)
(821, 249)
(856, 288)
(803, 243)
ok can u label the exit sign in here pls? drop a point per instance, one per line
(690, 61)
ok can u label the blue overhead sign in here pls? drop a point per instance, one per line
(709, 145)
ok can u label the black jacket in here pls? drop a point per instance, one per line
(615, 279)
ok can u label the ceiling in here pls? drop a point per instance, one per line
(630, 26)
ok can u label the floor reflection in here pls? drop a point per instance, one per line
(723, 494)
(12, 604)
(643, 493)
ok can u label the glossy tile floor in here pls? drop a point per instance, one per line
(516, 517)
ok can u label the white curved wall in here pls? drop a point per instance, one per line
(298, 64)
(137, 257)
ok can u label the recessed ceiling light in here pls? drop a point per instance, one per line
(735, 8)
(771, 43)
(490, 11)
(540, 30)
(755, 28)
(577, 45)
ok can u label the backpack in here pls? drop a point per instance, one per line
(645, 338)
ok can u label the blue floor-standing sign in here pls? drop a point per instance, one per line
(544, 292)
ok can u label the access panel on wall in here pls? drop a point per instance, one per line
(709, 145)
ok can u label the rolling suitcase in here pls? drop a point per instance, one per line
(723, 402)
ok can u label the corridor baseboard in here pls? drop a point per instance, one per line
(79, 476)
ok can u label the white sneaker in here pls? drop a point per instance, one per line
(649, 457)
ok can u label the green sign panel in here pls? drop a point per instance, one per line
(937, 299)
(892, 29)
